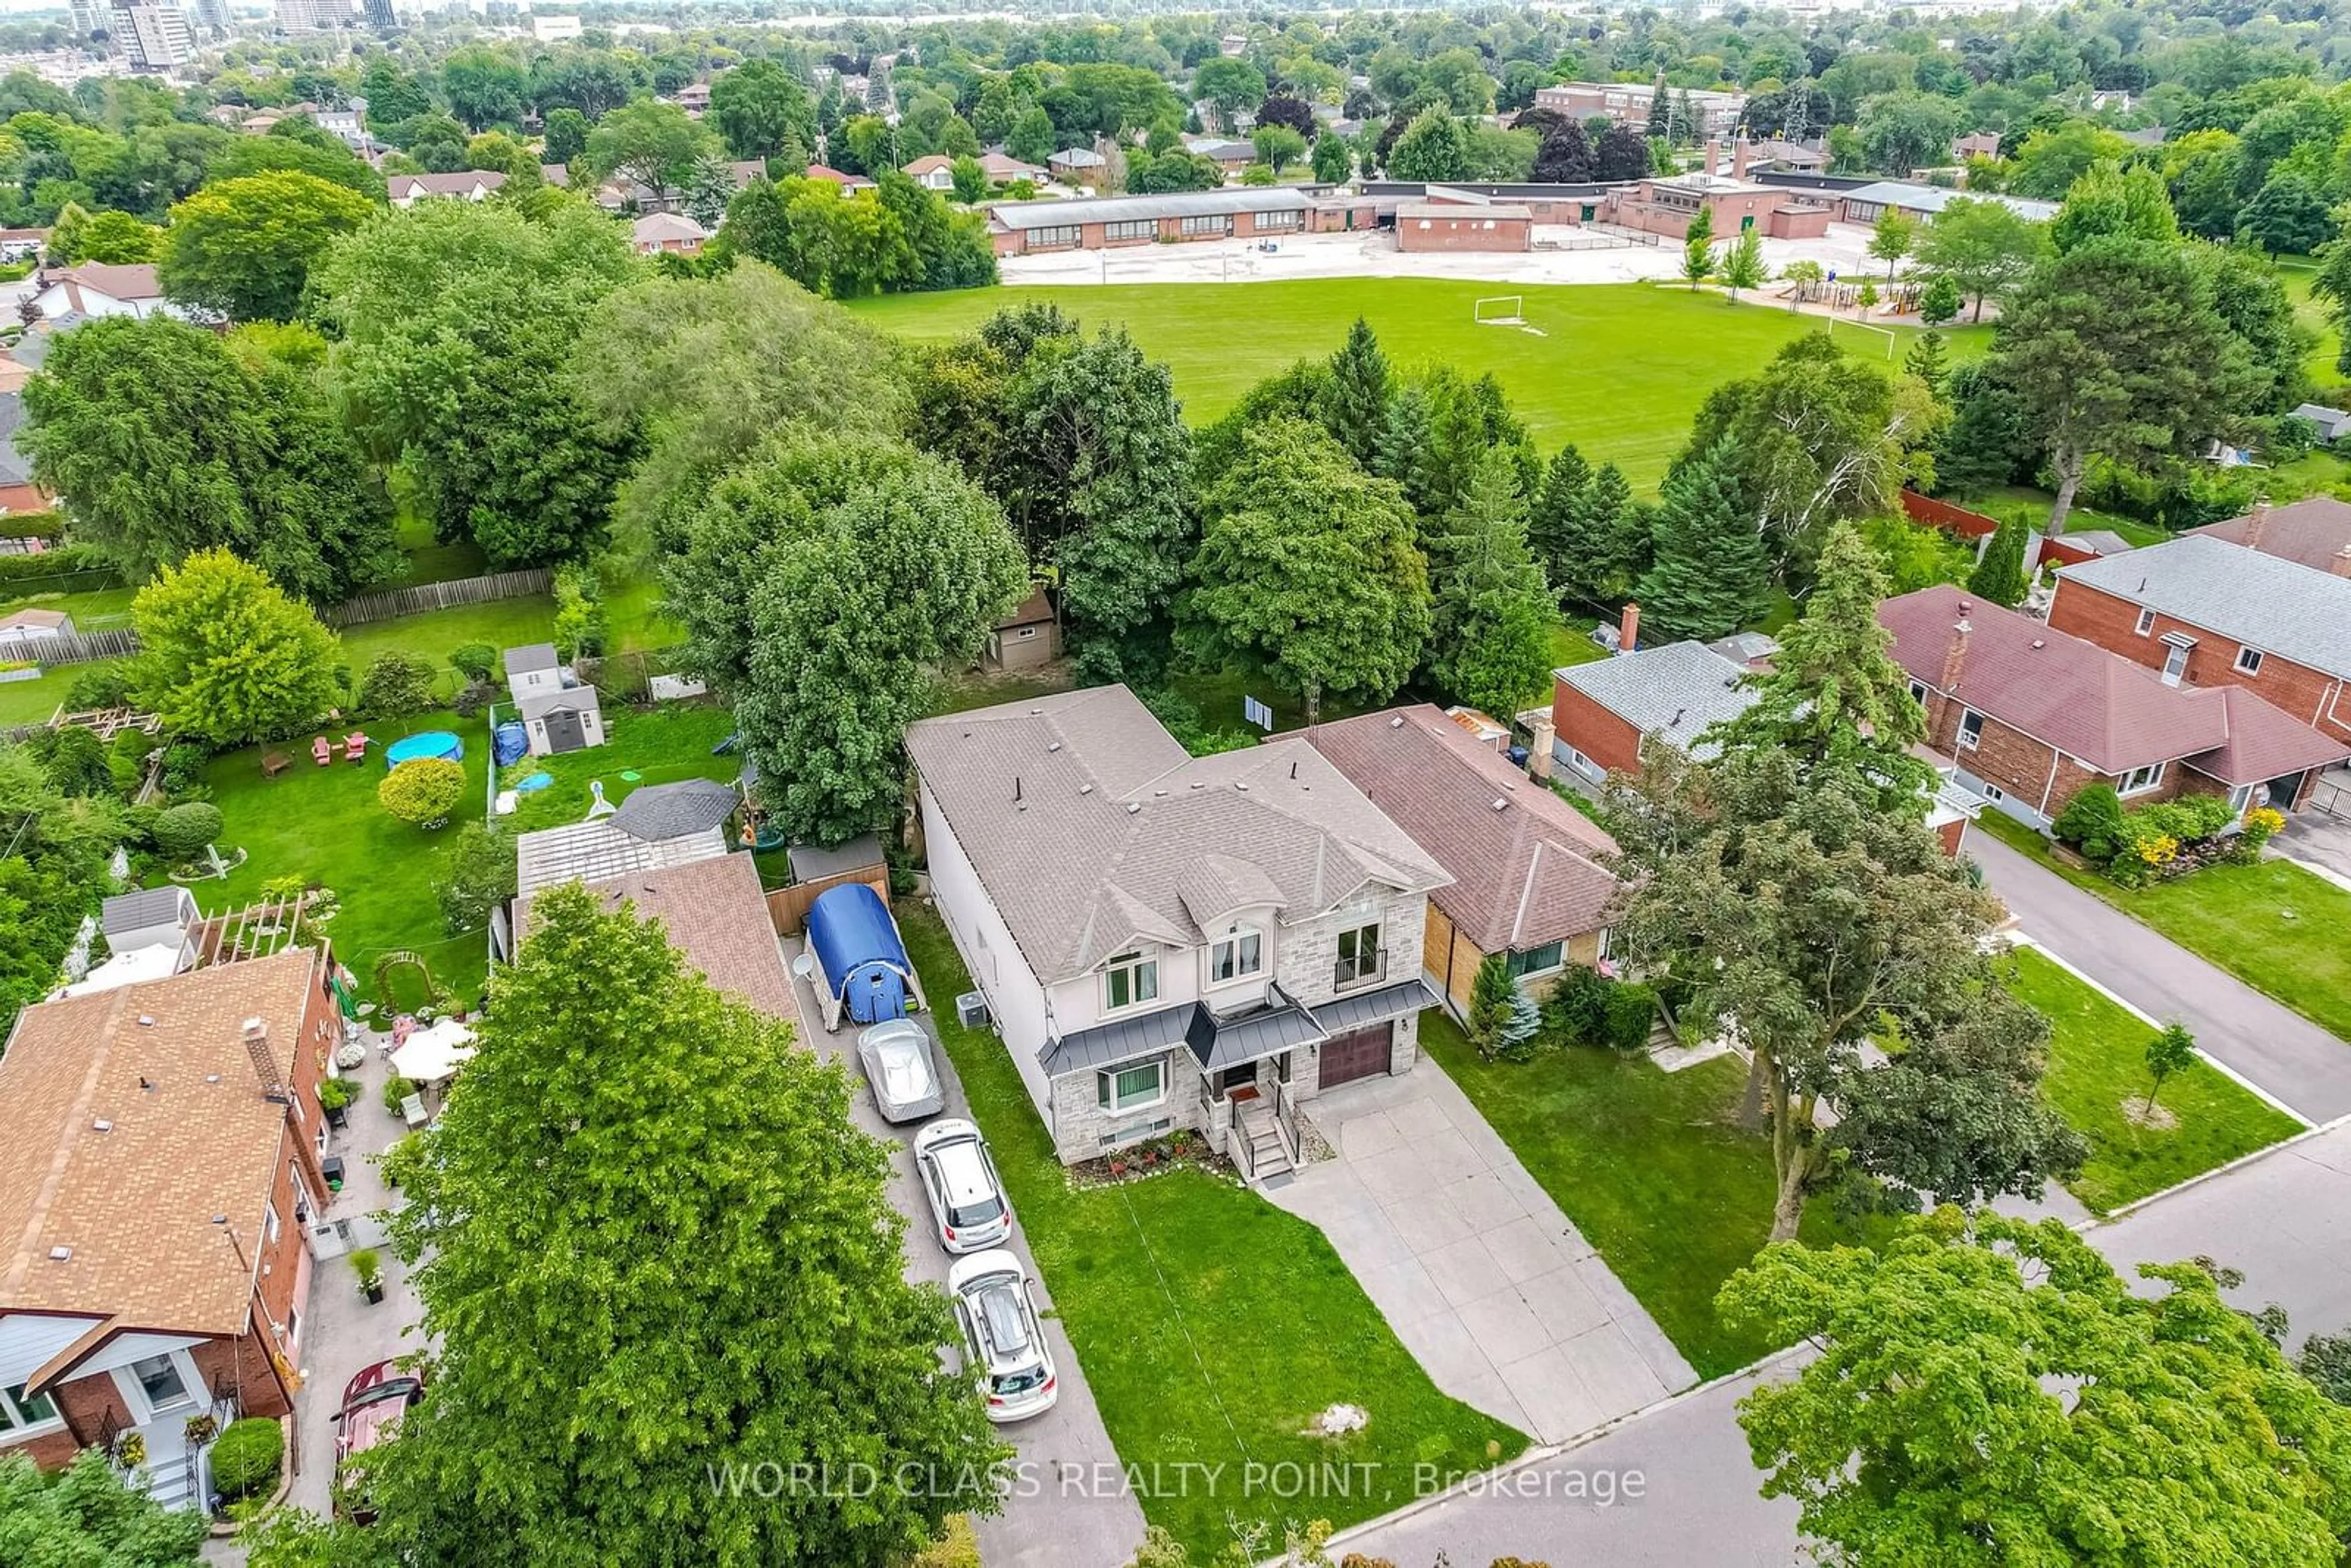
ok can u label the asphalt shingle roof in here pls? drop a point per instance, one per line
(1676, 691)
(713, 912)
(2314, 532)
(1083, 817)
(2263, 600)
(657, 811)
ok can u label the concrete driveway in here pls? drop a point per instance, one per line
(1481, 1276)
(1068, 1505)
(2278, 1050)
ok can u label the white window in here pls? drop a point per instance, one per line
(2240, 798)
(1991, 792)
(2249, 660)
(1124, 1089)
(1970, 728)
(1360, 957)
(270, 1224)
(2145, 622)
(1131, 979)
(1238, 953)
(2139, 781)
(21, 1413)
(159, 1379)
(1145, 228)
(1918, 693)
(1067, 234)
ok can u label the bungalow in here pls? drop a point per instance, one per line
(935, 172)
(157, 1185)
(2030, 715)
(1228, 154)
(2207, 609)
(1002, 170)
(1079, 166)
(1529, 879)
(670, 233)
(1603, 712)
(1164, 941)
(467, 185)
(846, 181)
(100, 288)
(693, 97)
(711, 906)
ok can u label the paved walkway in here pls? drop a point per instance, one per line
(2272, 1047)
(1063, 1511)
(1481, 1276)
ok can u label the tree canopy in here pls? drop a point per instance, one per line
(244, 246)
(226, 656)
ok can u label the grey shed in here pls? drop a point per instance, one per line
(659, 811)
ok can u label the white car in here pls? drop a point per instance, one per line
(896, 1057)
(959, 1178)
(1014, 1369)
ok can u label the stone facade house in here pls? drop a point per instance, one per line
(2031, 716)
(1528, 878)
(159, 1175)
(1167, 941)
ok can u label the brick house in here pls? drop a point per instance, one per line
(2315, 531)
(1167, 941)
(2031, 716)
(934, 171)
(2204, 612)
(1528, 877)
(709, 901)
(1603, 711)
(468, 185)
(156, 1184)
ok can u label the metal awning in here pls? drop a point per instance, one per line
(2176, 640)
(1106, 1044)
(1219, 1043)
(1361, 1009)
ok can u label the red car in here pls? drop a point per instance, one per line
(374, 1402)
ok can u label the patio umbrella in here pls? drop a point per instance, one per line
(430, 1055)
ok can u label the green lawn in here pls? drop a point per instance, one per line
(2097, 1061)
(671, 743)
(1212, 1325)
(2272, 924)
(503, 624)
(325, 824)
(102, 610)
(1572, 644)
(430, 560)
(1651, 1166)
(2034, 507)
(32, 702)
(1620, 369)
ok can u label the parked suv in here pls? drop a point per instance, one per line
(959, 1178)
(1008, 1358)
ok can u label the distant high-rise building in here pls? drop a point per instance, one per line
(378, 15)
(212, 15)
(90, 16)
(155, 37)
(313, 16)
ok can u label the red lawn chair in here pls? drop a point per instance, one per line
(355, 747)
(322, 751)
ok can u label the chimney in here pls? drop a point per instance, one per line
(2340, 562)
(1713, 155)
(2258, 521)
(265, 1063)
(1955, 657)
(1538, 747)
(1628, 629)
(1740, 151)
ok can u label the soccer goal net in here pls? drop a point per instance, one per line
(1886, 333)
(1498, 310)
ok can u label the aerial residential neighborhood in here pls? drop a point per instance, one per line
(1322, 788)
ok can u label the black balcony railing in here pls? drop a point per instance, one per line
(1362, 969)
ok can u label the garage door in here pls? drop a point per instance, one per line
(1361, 1054)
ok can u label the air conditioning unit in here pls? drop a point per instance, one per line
(971, 1009)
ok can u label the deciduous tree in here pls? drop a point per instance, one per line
(1698, 248)
(655, 144)
(758, 106)
(2287, 213)
(1982, 247)
(1432, 148)
(648, 1224)
(244, 246)
(1891, 239)
(226, 656)
(2171, 1050)
(1968, 1353)
(84, 1517)
(1307, 569)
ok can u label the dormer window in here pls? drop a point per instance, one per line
(1129, 979)
(1236, 955)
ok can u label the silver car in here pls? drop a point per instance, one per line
(959, 1177)
(896, 1057)
(1014, 1369)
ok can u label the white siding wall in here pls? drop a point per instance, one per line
(29, 1339)
(1015, 996)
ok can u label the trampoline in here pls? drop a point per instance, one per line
(430, 743)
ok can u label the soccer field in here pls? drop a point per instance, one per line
(1619, 369)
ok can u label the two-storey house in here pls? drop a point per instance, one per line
(1167, 941)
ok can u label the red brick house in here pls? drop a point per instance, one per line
(2031, 716)
(1600, 712)
(2205, 610)
(1528, 878)
(159, 1169)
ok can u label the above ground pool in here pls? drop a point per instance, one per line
(432, 743)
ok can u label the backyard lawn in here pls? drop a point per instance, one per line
(2097, 1062)
(1651, 1166)
(1212, 1326)
(325, 824)
(2272, 924)
(670, 743)
(1663, 349)
(503, 624)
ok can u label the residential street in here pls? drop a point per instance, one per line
(2282, 1052)
(1061, 1511)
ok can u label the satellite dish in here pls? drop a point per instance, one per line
(805, 967)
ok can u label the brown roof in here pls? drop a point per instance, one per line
(126, 282)
(1037, 610)
(925, 164)
(2109, 711)
(1522, 876)
(445, 185)
(36, 618)
(189, 1135)
(2312, 531)
(715, 914)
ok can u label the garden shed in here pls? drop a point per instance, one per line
(861, 966)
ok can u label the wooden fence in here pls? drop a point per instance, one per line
(426, 597)
(787, 907)
(1950, 518)
(74, 648)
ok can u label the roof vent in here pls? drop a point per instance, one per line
(211, 1078)
(101, 1126)
(1053, 745)
(1133, 807)
(1396, 722)
(146, 1020)
(1085, 789)
(2038, 642)
(1241, 784)
(1501, 804)
(1199, 784)
(60, 1254)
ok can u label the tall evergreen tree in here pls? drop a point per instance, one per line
(1605, 547)
(1711, 575)
(1998, 577)
(1492, 640)
(1355, 405)
(1929, 361)
(1407, 446)
(1551, 518)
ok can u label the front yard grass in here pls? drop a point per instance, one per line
(1652, 1166)
(1212, 1326)
(2274, 924)
(326, 825)
(2097, 1064)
